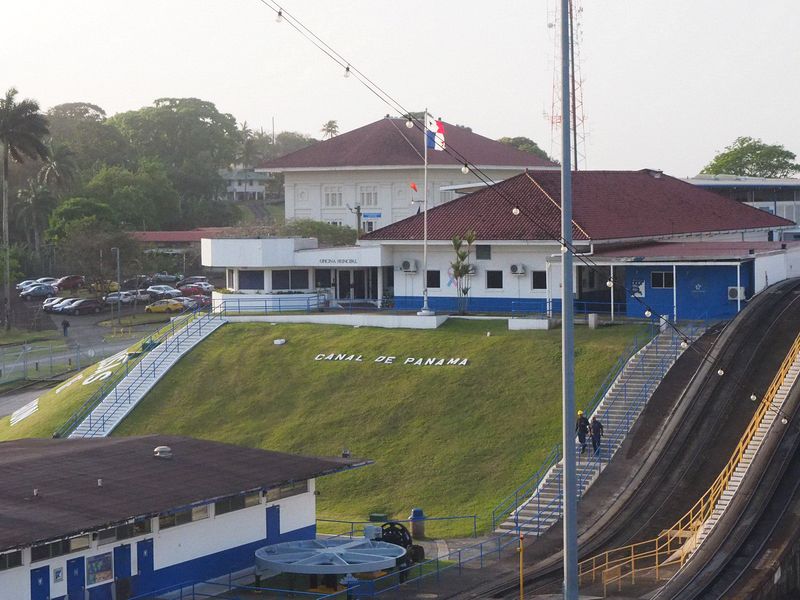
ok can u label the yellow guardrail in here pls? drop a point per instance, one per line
(674, 545)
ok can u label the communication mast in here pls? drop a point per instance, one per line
(577, 122)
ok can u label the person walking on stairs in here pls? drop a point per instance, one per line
(597, 435)
(582, 429)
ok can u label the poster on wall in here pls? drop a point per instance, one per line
(99, 568)
(637, 288)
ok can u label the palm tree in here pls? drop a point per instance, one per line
(330, 129)
(22, 132)
(59, 170)
(36, 202)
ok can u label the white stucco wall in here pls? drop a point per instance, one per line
(773, 268)
(305, 200)
(251, 253)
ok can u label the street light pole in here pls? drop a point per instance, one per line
(119, 289)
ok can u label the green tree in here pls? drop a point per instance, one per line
(77, 209)
(190, 137)
(34, 205)
(330, 129)
(753, 158)
(59, 169)
(526, 145)
(462, 268)
(23, 130)
(144, 198)
(83, 127)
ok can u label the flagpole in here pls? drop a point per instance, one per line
(425, 310)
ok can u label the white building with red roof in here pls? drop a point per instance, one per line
(670, 247)
(373, 167)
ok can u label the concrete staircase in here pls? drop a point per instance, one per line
(751, 451)
(120, 401)
(618, 410)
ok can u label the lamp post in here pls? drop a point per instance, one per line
(119, 289)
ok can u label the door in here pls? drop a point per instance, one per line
(144, 562)
(40, 583)
(273, 524)
(359, 284)
(76, 578)
(344, 285)
(122, 571)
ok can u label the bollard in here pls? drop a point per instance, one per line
(417, 518)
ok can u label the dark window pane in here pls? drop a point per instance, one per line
(433, 279)
(539, 279)
(251, 280)
(299, 279)
(280, 280)
(669, 282)
(323, 278)
(483, 252)
(657, 279)
(494, 280)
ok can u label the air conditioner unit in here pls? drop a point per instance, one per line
(735, 293)
(518, 269)
(409, 265)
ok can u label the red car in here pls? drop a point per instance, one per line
(201, 300)
(190, 290)
(70, 282)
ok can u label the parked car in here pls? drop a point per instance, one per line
(38, 290)
(205, 286)
(23, 284)
(164, 277)
(168, 305)
(202, 300)
(71, 282)
(121, 297)
(85, 306)
(58, 307)
(47, 280)
(139, 295)
(190, 290)
(49, 302)
(158, 292)
(136, 283)
(187, 302)
(104, 287)
(192, 279)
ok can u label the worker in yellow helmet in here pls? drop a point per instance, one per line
(582, 429)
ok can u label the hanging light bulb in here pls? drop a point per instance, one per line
(347, 71)
(720, 372)
(784, 420)
(279, 16)
(753, 398)
(465, 169)
(684, 344)
(409, 123)
(648, 313)
(515, 211)
(610, 283)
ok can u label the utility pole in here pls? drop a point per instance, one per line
(569, 491)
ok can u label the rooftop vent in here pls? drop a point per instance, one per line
(162, 452)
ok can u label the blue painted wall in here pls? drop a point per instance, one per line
(702, 291)
(214, 565)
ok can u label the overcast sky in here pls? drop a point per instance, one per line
(666, 84)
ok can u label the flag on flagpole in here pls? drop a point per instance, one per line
(413, 186)
(434, 133)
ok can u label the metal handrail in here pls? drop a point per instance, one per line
(617, 564)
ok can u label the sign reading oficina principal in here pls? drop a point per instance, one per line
(430, 361)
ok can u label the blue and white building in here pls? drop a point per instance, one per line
(669, 246)
(113, 518)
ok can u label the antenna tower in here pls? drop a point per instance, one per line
(578, 119)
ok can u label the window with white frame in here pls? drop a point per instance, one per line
(368, 194)
(662, 280)
(369, 226)
(333, 196)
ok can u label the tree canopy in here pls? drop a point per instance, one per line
(751, 157)
(525, 144)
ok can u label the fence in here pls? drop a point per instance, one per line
(356, 528)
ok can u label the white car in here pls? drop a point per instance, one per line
(47, 305)
(159, 292)
(47, 280)
(122, 297)
(23, 284)
(140, 295)
(206, 287)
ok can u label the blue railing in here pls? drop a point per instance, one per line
(111, 383)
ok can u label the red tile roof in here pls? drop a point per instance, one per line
(192, 235)
(607, 205)
(389, 142)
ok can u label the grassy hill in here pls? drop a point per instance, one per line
(450, 439)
